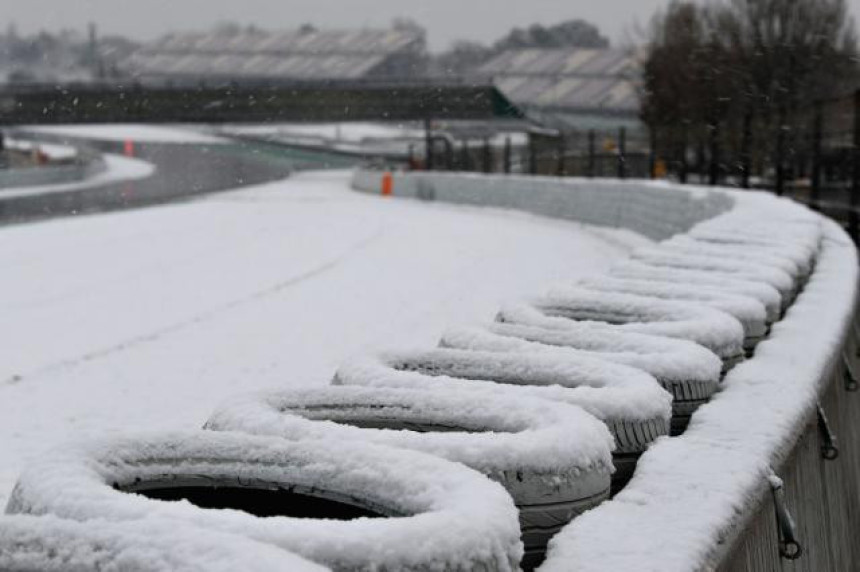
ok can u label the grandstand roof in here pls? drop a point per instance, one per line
(298, 54)
(567, 79)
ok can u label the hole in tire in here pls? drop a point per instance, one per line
(261, 502)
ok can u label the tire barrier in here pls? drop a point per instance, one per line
(748, 311)
(403, 495)
(713, 329)
(631, 402)
(50, 544)
(688, 371)
(554, 460)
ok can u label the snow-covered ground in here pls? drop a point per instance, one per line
(118, 169)
(134, 132)
(150, 318)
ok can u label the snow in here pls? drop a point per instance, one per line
(669, 360)
(50, 544)
(350, 132)
(715, 330)
(748, 311)
(609, 391)
(117, 169)
(133, 132)
(150, 318)
(467, 520)
(764, 293)
(492, 434)
(732, 442)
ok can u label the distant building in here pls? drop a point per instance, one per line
(569, 87)
(255, 55)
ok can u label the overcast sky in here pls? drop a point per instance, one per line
(446, 20)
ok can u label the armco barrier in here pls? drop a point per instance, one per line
(772, 463)
(87, 164)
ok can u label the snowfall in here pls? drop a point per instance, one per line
(151, 318)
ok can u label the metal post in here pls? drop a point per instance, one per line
(465, 159)
(815, 191)
(488, 159)
(507, 154)
(652, 152)
(533, 166)
(683, 168)
(746, 150)
(855, 171)
(410, 159)
(622, 153)
(428, 144)
(779, 185)
(714, 174)
(559, 155)
(591, 152)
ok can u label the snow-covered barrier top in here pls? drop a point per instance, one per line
(750, 312)
(616, 394)
(797, 260)
(49, 544)
(663, 521)
(764, 293)
(492, 434)
(713, 329)
(448, 517)
(669, 360)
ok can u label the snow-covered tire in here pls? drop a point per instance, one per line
(748, 311)
(685, 369)
(713, 329)
(554, 459)
(471, 520)
(786, 285)
(764, 293)
(50, 544)
(631, 402)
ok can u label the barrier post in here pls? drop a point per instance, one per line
(387, 184)
(428, 145)
(488, 159)
(465, 162)
(779, 185)
(559, 155)
(507, 158)
(622, 153)
(746, 150)
(714, 171)
(817, 126)
(591, 152)
(533, 166)
(652, 152)
(855, 170)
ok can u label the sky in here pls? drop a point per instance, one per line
(445, 20)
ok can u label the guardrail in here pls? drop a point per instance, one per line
(86, 164)
(766, 478)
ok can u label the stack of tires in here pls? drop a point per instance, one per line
(469, 456)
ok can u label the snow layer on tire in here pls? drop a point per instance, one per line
(50, 544)
(669, 360)
(796, 260)
(450, 517)
(493, 434)
(616, 394)
(764, 293)
(779, 279)
(713, 329)
(748, 311)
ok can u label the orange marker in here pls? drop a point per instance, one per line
(387, 184)
(128, 148)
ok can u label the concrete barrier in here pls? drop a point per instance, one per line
(720, 496)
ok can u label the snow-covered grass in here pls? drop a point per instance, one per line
(117, 169)
(148, 319)
(134, 132)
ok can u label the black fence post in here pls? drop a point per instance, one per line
(559, 155)
(746, 150)
(855, 171)
(779, 186)
(683, 167)
(428, 144)
(591, 152)
(714, 171)
(818, 121)
(652, 152)
(488, 160)
(507, 154)
(622, 153)
(465, 159)
(533, 166)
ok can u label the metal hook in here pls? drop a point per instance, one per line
(829, 448)
(789, 545)
(848, 377)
